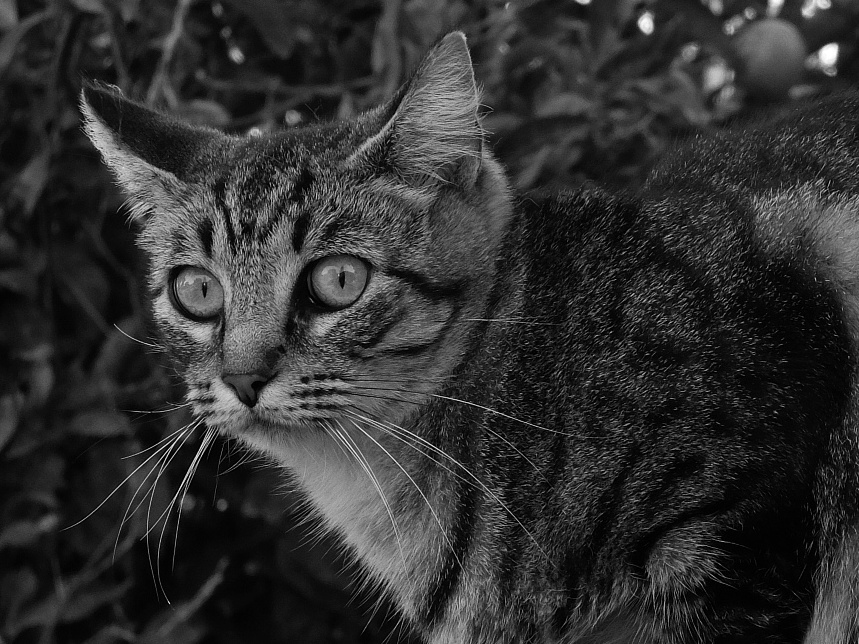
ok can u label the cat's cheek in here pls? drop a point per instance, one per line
(323, 325)
(331, 329)
(199, 333)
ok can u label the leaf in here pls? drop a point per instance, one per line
(177, 626)
(202, 112)
(18, 280)
(95, 7)
(39, 378)
(274, 20)
(428, 18)
(68, 606)
(528, 175)
(31, 181)
(21, 534)
(111, 634)
(45, 477)
(185, 633)
(8, 14)
(11, 38)
(10, 415)
(17, 587)
(84, 604)
(566, 104)
(129, 9)
(83, 284)
(9, 251)
(117, 350)
(101, 423)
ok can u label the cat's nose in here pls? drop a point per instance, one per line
(246, 385)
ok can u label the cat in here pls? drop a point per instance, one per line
(575, 417)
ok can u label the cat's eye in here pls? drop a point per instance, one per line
(197, 294)
(338, 281)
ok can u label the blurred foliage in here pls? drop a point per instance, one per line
(89, 550)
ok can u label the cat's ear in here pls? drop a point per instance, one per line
(433, 132)
(151, 154)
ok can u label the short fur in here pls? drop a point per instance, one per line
(572, 417)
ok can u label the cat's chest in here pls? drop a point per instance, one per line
(362, 490)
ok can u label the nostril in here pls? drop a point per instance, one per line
(246, 385)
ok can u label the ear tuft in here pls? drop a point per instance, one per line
(102, 118)
(434, 133)
(99, 102)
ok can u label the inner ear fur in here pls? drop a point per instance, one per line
(434, 132)
(152, 155)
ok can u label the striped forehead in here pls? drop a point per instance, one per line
(250, 205)
(265, 185)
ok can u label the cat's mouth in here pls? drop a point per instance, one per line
(260, 419)
(279, 410)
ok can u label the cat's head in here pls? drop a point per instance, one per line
(301, 276)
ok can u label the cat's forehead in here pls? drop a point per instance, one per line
(274, 193)
(321, 144)
(280, 169)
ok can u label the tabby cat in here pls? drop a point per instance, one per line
(575, 417)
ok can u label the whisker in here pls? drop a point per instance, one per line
(205, 444)
(499, 413)
(463, 402)
(138, 341)
(155, 567)
(155, 445)
(176, 439)
(511, 321)
(486, 427)
(413, 482)
(396, 377)
(172, 503)
(218, 473)
(162, 463)
(246, 456)
(115, 490)
(166, 410)
(348, 443)
(403, 435)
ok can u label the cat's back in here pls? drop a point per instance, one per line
(696, 285)
(815, 140)
(742, 245)
(768, 200)
(698, 339)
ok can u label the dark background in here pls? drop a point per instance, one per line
(574, 92)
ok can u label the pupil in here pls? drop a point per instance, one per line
(205, 288)
(342, 278)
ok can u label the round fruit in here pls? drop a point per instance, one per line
(772, 54)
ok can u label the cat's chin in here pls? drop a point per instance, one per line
(260, 426)
(283, 442)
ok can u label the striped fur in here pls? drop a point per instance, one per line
(570, 418)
